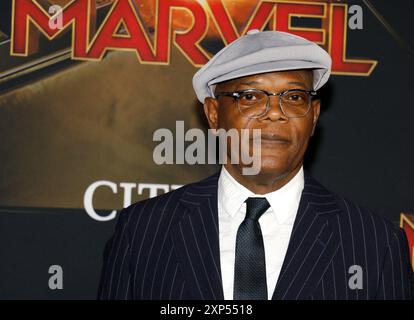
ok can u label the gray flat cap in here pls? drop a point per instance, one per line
(259, 52)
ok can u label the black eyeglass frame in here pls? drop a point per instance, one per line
(237, 94)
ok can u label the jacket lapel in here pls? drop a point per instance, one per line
(313, 243)
(196, 241)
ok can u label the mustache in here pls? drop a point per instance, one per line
(270, 137)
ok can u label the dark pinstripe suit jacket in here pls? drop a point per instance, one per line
(167, 247)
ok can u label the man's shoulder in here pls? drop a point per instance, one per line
(169, 201)
(359, 219)
(373, 242)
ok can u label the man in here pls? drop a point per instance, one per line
(278, 234)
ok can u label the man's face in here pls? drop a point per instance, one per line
(284, 140)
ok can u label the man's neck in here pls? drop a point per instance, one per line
(262, 183)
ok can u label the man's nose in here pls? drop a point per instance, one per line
(275, 112)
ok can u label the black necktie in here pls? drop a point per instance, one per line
(250, 267)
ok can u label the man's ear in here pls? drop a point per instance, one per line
(316, 105)
(211, 111)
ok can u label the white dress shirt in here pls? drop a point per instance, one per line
(276, 225)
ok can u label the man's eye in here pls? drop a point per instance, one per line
(295, 97)
(248, 96)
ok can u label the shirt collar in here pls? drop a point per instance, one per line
(284, 202)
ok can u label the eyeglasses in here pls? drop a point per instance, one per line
(254, 103)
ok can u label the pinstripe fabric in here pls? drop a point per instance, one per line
(167, 247)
